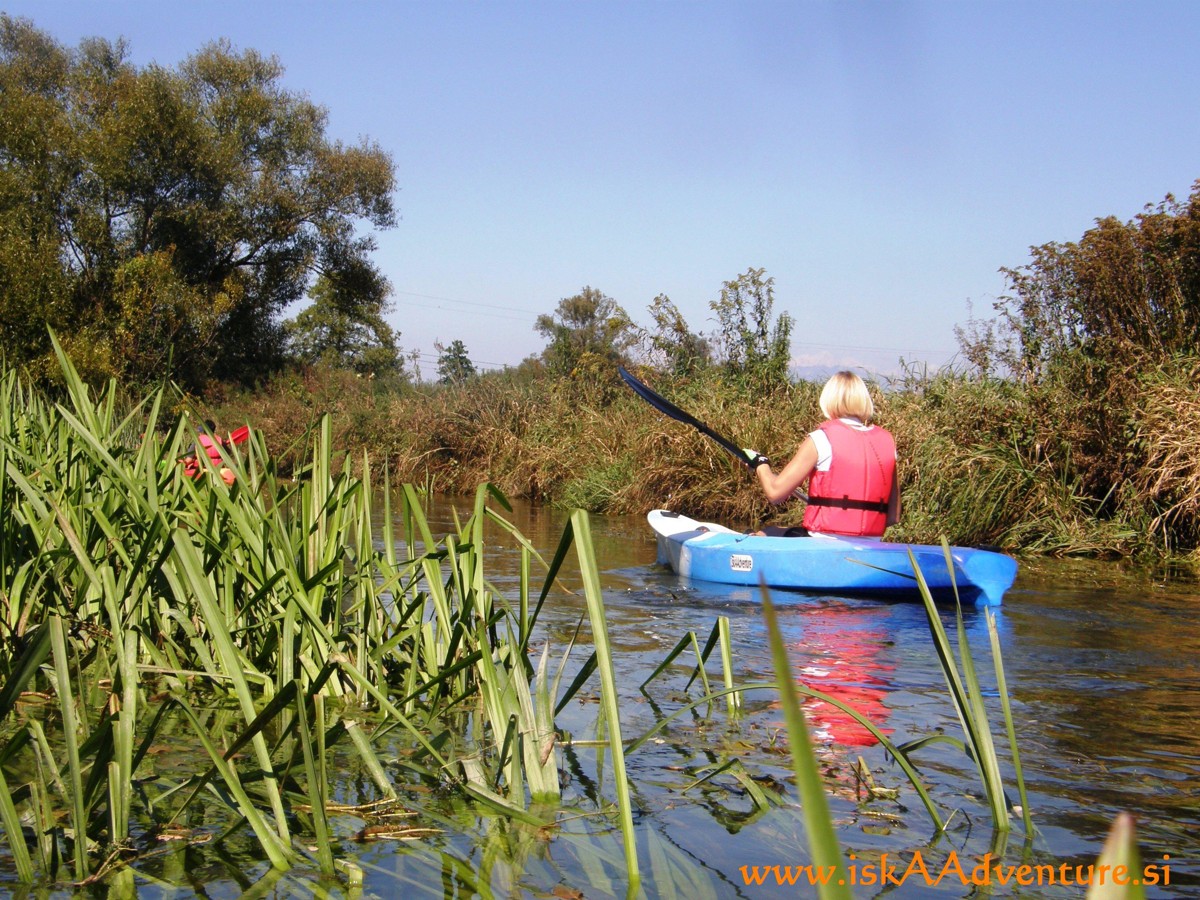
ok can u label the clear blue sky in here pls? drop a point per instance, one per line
(880, 160)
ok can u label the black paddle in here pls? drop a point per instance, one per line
(665, 406)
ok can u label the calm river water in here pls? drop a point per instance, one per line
(1103, 668)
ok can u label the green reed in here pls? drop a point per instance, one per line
(1120, 852)
(967, 697)
(818, 820)
(138, 599)
(271, 623)
(271, 598)
(608, 681)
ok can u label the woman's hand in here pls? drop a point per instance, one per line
(782, 486)
(754, 459)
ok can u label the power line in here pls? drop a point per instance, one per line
(515, 318)
(433, 359)
(876, 349)
(469, 303)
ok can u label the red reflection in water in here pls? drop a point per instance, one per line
(839, 657)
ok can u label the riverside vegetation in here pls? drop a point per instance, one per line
(1071, 424)
(262, 628)
(308, 674)
(983, 460)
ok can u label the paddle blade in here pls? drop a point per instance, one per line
(666, 407)
(662, 404)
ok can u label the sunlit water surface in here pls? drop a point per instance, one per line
(1102, 667)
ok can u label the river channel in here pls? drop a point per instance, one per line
(1104, 671)
(1103, 667)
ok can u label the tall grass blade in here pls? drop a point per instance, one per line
(701, 659)
(733, 700)
(1120, 852)
(818, 823)
(15, 833)
(585, 672)
(46, 828)
(277, 851)
(983, 747)
(967, 696)
(120, 787)
(70, 725)
(189, 580)
(367, 753)
(688, 640)
(702, 656)
(582, 530)
(35, 653)
(1009, 725)
(314, 775)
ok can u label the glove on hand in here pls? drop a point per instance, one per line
(754, 459)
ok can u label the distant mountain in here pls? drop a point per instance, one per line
(818, 373)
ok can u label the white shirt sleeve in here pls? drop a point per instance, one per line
(824, 450)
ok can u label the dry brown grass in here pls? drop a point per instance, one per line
(981, 461)
(1165, 434)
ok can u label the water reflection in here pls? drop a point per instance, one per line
(1110, 676)
(1103, 670)
(840, 656)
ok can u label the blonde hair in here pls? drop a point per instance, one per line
(845, 394)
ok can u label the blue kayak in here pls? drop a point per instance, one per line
(822, 562)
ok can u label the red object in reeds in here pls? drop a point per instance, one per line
(210, 443)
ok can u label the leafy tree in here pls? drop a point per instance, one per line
(346, 329)
(1126, 292)
(983, 343)
(152, 208)
(672, 345)
(454, 365)
(589, 323)
(1087, 327)
(755, 351)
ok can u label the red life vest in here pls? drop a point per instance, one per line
(211, 444)
(852, 497)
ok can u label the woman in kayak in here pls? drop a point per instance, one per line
(210, 443)
(848, 463)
